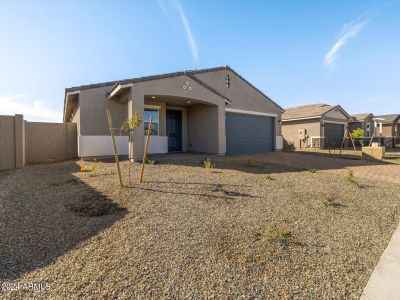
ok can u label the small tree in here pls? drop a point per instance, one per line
(129, 126)
(132, 123)
(358, 133)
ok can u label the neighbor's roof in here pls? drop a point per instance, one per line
(389, 118)
(361, 117)
(189, 73)
(309, 111)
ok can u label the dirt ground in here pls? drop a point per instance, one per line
(242, 230)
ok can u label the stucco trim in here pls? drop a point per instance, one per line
(335, 122)
(101, 145)
(67, 106)
(249, 112)
(118, 89)
(299, 119)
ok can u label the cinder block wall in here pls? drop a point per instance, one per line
(50, 142)
(10, 142)
(24, 142)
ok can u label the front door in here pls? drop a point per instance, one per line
(174, 130)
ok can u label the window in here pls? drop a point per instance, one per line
(368, 131)
(151, 112)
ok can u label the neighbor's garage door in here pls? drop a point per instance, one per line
(333, 133)
(249, 133)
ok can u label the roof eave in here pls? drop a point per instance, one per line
(66, 99)
(301, 118)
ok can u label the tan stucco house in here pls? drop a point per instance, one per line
(314, 125)
(390, 126)
(209, 111)
(364, 121)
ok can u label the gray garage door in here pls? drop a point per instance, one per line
(333, 133)
(249, 133)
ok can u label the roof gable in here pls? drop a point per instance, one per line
(361, 117)
(389, 118)
(189, 73)
(311, 111)
(239, 77)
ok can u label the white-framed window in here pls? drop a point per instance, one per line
(151, 112)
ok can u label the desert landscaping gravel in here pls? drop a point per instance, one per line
(242, 230)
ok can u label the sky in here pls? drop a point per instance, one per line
(296, 52)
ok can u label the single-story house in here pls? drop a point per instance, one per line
(390, 125)
(314, 125)
(363, 121)
(212, 110)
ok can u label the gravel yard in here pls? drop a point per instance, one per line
(243, 231)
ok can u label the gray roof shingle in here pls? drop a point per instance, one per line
(189, 73)
(389, 118)
(307, 111)
(361, 117)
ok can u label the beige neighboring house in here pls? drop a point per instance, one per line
(314, 125)
(209, 111)
(364, 121)
(390, 125)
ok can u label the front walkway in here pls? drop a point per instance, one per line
(384, 281)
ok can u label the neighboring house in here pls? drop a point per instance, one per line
(209, 111)
(363, 121)
(390, 125)
(314, 125)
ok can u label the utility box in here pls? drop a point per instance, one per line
(373, 152)
(302, 134)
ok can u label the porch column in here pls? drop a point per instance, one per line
(221, 130)
(136, 104)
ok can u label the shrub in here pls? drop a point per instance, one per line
(150, 161)
(330, 202)
(219, 188)
(279, 233)
(358, 134)
(352, 179)
(132, 123)
(268, 177)
(288, 146)
(312, 170)
(91, 168)
(209, 165)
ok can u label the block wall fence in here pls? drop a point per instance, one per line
(23, 142)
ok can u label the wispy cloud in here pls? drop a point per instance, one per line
(186, 25)
(349, 31)
(32, 110)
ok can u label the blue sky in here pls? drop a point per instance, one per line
(297, 52)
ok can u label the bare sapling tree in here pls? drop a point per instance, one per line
(129, 126)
